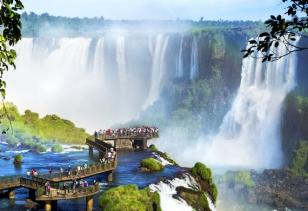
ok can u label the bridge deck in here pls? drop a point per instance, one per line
(59, 194)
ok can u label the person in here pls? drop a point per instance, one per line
(61, 170)
(109, 156)
(28, 173)
(85, 184)
(47, 188)
(74, 185)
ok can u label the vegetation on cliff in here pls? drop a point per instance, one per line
(129, 198)
(295, 132)
(32, 131)
(239, 177)
(196, 199)
(299, 165)
(150, 164)
(203, 175)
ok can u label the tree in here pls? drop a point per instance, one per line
(10, 25)
(281, 32)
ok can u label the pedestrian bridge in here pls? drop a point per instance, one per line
(36, 184)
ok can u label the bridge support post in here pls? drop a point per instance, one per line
(90, 151)
(110, 176)
(48, 206)
(144, 144)
(32, 194)
(12, 194)
(89, 200)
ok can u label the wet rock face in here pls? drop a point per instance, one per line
(276, 188)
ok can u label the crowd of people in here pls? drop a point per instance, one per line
(131, 131)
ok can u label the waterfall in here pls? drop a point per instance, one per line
(167, 190)
(99, 57)
(121, 62)
(250, 133)
(158, 69)
(194, 61)
(92, 81)
(179, 72)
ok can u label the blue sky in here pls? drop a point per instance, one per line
(159, 9)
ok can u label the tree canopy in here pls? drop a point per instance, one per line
(10, 27)
(283, 30)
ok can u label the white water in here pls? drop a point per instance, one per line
(167, 189)
(158, 69)
(249, 136)
(180, 71)
(93, 82)
(194, 61)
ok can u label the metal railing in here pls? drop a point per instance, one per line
(56, 194)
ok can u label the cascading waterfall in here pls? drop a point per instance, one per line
(158, 69)
(99, 57)
(249, 136)
(108, 85)
(250, 133)
(194, 61)
(179, 68)
(167, 189)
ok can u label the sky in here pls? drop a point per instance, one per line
(159, 9)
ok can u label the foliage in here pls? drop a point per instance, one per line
(151, 164)
(200, 170)
(18, 159)
(39, 148)
(153, 148)
(241, 177)
(299, 165)
(129, 198)
(203, 174)
(281, 32)
(10, 25)
(31, 130)
(57, 148)
(295, 128)
(196, 199)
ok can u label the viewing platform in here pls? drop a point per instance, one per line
(122, 139)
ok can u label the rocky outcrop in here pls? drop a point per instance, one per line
(277, 188)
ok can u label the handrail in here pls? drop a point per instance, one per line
(35, 182)
(57, 194)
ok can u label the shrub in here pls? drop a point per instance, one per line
(153, 148)
(40, 148)
(18, 159)
(129, 198)
(203, 173)
(151, 164)
(57, 148)
(200, 170)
